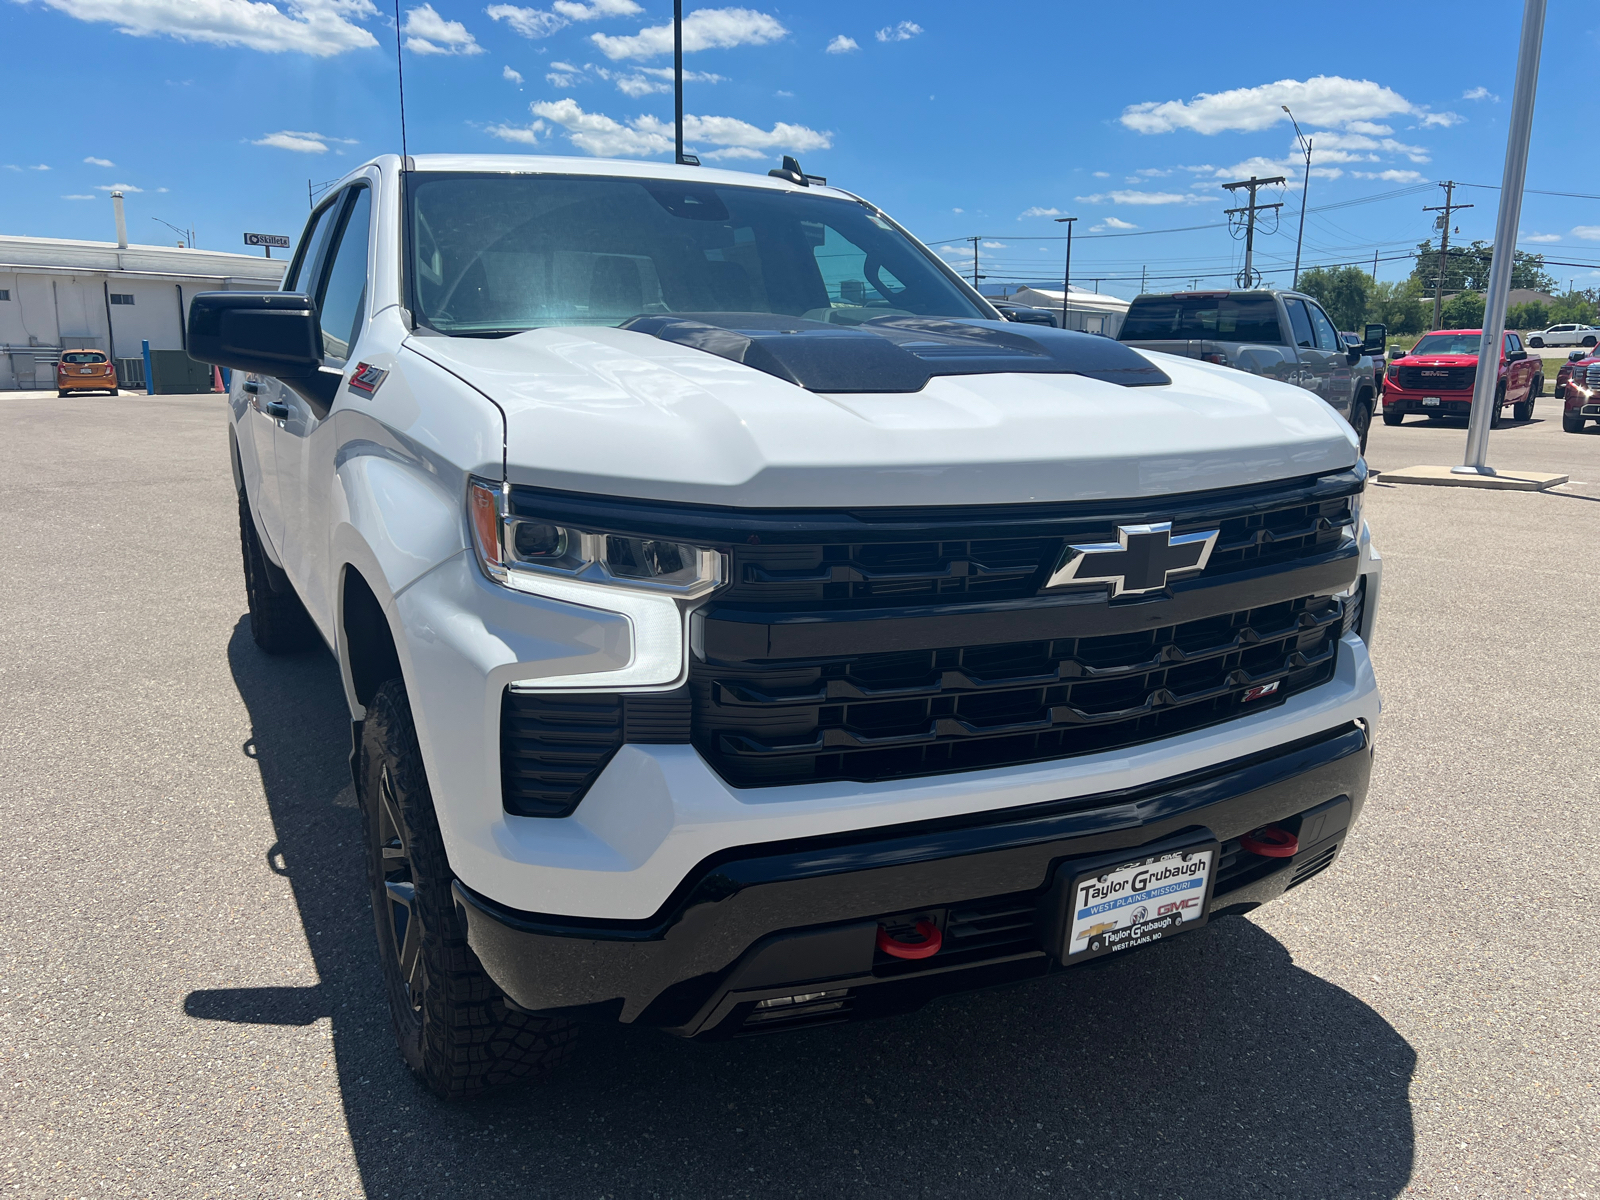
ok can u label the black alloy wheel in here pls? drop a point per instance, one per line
(1361, 421)
(1497, 417)
(454, 1028)
(1536, 343)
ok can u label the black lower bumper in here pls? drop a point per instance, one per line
(800, 919)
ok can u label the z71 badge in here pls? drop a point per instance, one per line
(367, 378)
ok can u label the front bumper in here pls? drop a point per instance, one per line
(1396, 399)
(799, 920)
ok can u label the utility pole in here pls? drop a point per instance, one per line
(1066, 278)
(1247, 277)
(1305, 190)
(1449, 186)
(1144, 273)
(677, 77)
(1374, 265)
(975, 275)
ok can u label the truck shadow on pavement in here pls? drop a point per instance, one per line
(1210, 1067)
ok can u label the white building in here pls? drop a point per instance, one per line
(1092, 312)
(59, 295)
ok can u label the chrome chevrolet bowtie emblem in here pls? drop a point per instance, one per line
(1142, 559)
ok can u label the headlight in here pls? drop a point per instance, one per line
(513, 543)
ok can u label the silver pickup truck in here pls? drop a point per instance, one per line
(1283, 335)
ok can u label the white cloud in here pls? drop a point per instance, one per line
(638, 85)
(77, 197)
(1102, 174)
(303, 143)
(1589, 233)
(1324, 99)
(1326, 140)
(99, 162)
(1036, 211)
(1143, 198)
(843, 45)
(1153, 172)
(1391, 176)
(1540, 237)
(118, 187)
(563, 75)
(1442, 120)
(784, 95)
(528, 135)
(539, 23)
(902, 32)
(159, 191)
(1111, 223)
(600, 135)
(1372, 127)
(705, 29)
(995, 246)
(529, 22)
(1479, 93)
(512, 76)
(321, 28)
(40, 167)
(958, 210)
(429, 33)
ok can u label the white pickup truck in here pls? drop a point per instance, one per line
(744, 629)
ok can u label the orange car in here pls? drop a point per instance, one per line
(85, 371)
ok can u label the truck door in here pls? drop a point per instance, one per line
(1520, 373)
(304, 439)
(1340, 390)
(264, 398)
(1315, 369)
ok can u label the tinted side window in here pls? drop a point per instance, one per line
(1513, 342)
(1301, 323)
(305, 261)
(1236, 318)
(1327, 335)
(344, 291)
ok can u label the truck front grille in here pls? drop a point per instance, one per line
(876, 716)
(1441, 379)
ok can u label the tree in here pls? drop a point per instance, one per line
(1577, 308)
(1398, 304)
(1467, 269)
(1528, 316)
(1464, 310)
(1342, 291)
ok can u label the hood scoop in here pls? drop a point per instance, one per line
(897, 354)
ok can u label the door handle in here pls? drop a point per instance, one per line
(276, 408)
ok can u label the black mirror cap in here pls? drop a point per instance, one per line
(1374, 337)
(1516, 355)
(1577, 355)
(268, 333)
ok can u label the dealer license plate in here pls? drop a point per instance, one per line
(1138, 902)
(1430, 402)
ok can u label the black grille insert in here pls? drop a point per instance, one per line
(1443, 379)
(892, 715)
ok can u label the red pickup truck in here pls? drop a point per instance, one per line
(1436, 378)
(1578, 385)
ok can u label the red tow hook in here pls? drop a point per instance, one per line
(932, 939)
(1270, 841)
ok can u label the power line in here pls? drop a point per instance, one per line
(1494, 187)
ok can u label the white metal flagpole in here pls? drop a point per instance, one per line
(1505, 242)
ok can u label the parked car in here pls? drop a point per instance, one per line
(692, 545)
(1277, 334)
(85, 371)
(1568, 368)
(1581, 397)
(1436, 378)
(1564, 335)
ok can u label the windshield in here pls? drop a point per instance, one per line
(495, 253)
(1448, 343)
(1245, 318)
(83, 357)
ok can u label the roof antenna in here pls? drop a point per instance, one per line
(400, 74)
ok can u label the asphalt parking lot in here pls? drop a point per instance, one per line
(189, 993)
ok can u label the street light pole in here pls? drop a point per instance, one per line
(1066, 279)
(1305, 190)
(677, 76)
(1518, 132)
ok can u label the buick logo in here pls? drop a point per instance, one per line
(1142, 559)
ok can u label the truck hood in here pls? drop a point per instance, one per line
(622, 413)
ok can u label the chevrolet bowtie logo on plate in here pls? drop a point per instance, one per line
(1142, 559)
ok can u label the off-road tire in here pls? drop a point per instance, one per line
(1361, 421)
(116, 391)
(1536, 343)
(1572, 422)
(1523, 411)
(1393, 418)
(1538, 385)
(451, 1022)
(1589, 340)
(279, 623)
(61, 393)
(1497, 417)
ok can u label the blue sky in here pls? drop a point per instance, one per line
(965, 120)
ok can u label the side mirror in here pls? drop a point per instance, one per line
(1577, 355)
(1516, 355)
(1374, 338)
(1396, 352)
(268, 333)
